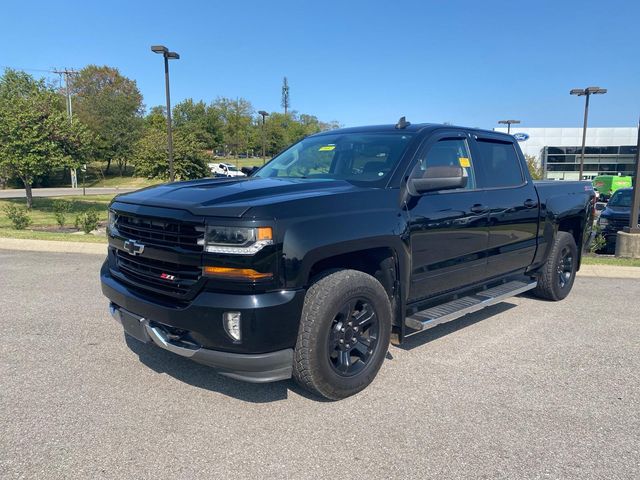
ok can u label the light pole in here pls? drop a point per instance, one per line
(167, 56)
(508, 123)
(264, 139)
(586, 92)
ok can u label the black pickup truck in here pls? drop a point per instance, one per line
(344, 242)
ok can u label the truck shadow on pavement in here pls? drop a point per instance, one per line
(207, 378)
(420, 339)
(204, 377)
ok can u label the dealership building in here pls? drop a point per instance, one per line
(608, 151)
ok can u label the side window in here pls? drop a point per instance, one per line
(501, 164)
(447, 153)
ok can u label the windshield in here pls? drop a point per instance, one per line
(231, 168)
(622, 198)
(363, 157)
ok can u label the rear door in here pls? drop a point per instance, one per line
(448, 229)
(513, 204)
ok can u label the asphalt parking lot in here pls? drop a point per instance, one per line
(527, 389)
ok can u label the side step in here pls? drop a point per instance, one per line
(462, 306)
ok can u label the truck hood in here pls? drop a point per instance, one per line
(618, 213)
(233, 197)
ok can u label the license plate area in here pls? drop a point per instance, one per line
(134, 326)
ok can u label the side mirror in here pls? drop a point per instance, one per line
(438, 178)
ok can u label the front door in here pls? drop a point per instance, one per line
(448, 229)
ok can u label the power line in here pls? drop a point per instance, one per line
(28, 69)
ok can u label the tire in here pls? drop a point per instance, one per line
(556, 277)
(344, 334)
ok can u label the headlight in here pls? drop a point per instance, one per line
(237, 240)
(112, 220)
(603, 222)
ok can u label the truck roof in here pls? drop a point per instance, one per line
(412, 127)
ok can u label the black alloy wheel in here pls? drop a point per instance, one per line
(353, 337)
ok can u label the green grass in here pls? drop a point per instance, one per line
(123, 182)
(42, 217)
(614, 261)
(35, 235)
(240, 162)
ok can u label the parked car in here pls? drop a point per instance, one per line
(607, 185)
(225, 170)
(615, 217)
(346, 240)
(599, 208)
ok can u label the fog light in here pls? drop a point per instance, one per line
(231, 323)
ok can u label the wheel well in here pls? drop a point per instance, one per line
(573, 226)
(377, 262)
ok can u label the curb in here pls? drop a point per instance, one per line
(609, 271)
(53, 246)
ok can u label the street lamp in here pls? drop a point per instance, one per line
(161, 49)
(264, 139)
(586, 92)
(508, 123)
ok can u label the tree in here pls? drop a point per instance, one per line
(150, 151)
(283, 130)
(203, 121)
(534, 169)
(110, 105)
(35, 134)
(237, 120)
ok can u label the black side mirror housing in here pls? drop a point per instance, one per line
(438, 178)
(248, 171)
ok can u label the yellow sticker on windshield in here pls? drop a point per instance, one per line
(327, 148)
(464, 162)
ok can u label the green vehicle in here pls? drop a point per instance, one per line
(606, 185)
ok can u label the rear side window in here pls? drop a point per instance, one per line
(501, 164)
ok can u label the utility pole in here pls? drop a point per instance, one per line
(285, 96)
(67, 73)
(264, 138)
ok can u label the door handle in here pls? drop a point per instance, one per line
(479, 208)
(529, 203)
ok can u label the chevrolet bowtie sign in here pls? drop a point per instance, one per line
(133, 247)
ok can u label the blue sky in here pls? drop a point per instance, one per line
(358, 62)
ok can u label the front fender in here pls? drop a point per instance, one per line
(308, 241)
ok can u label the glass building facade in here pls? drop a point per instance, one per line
(608, 150)
(562, 162)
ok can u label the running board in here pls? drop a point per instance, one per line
(446, 312)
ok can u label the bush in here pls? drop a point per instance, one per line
(598, 242)
(18, 216)
(60, 210)
(87, 221)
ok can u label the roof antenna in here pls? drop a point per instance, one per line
(402, 123)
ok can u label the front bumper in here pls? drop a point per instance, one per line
(269, 327)
(258, 368)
